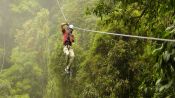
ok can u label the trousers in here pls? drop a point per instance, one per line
(69, 52)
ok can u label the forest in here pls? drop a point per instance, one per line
(32, 61)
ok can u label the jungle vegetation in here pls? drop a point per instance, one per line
(32, 61)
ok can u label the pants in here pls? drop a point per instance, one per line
(68, 51)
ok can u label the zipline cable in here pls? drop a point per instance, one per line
(59, 5)
(125, 35)
(117, 34)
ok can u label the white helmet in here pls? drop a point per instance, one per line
(71, 26)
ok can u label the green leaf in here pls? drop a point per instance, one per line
(166, 56)
(166, 86)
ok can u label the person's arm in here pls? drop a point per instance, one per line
(62, 27)
(63, 24)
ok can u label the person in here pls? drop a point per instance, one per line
(68, 39)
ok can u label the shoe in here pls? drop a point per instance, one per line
(67, 69)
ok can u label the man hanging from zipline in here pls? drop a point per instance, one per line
(68, 39)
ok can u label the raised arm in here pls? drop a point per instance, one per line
(63, 27)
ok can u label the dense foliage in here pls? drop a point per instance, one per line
(32, 61)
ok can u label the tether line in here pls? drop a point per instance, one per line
(125, 35)
(61, 10)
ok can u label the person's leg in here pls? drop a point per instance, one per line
(66, 50)
(72, 55)
(67, 53)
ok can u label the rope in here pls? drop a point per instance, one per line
(116, 34)
(125, 35)
(61, 10)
